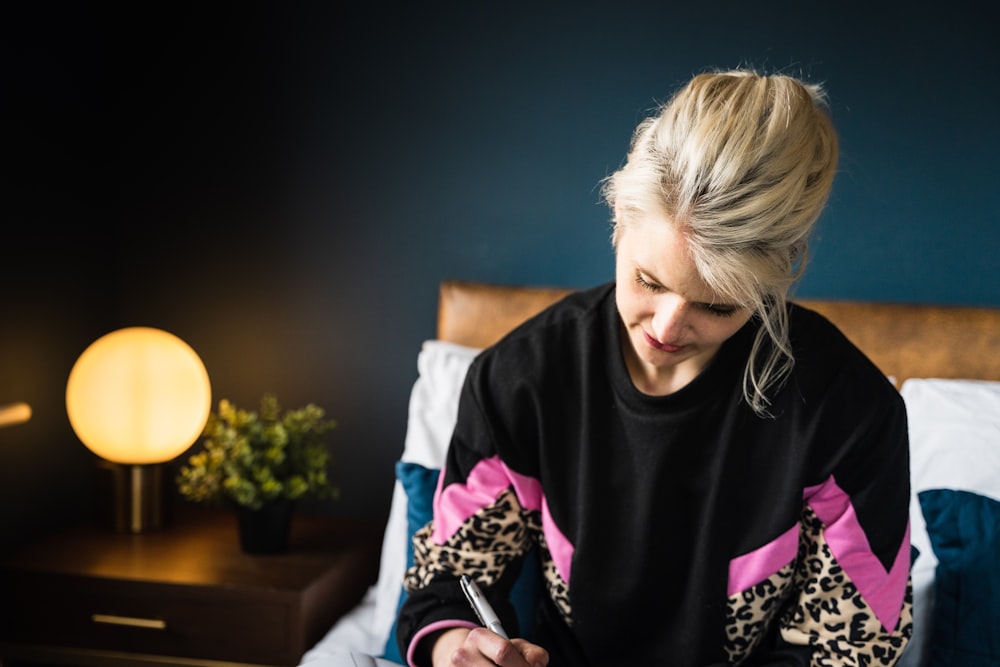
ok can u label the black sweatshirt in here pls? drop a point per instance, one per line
(673, 530)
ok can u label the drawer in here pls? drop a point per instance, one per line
(219, 623)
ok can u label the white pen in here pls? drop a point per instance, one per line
(483, 610)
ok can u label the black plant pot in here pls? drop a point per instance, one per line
(265, 531)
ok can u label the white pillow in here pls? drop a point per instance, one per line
(954, 428)
(441, 370)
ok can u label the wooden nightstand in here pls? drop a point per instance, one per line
(184, 596)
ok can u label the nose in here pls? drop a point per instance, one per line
(669, 319)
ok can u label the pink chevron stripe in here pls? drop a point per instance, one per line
(560, 548)
(755, 566)
(488, 479)
(883, 591)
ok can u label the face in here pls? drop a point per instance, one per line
(674, 323)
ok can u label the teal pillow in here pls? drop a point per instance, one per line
(419, 483)
(964, 529)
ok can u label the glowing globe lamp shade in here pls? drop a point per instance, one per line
(138, 395)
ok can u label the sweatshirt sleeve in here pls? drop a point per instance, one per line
(480, 527)
(852, 589)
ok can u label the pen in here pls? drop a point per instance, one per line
(483, 610)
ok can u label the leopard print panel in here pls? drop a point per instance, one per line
(485, 545)
(749, 613)
(557, 588)
(832, 615)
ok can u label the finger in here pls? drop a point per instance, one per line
(533, 654)
(495, 648)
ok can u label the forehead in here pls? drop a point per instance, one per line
(655, 246)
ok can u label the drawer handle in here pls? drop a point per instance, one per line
(130, 621)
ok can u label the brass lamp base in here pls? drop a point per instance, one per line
(131, 497)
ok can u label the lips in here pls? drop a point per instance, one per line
(663, 347)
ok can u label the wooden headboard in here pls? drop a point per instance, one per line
(903, 340)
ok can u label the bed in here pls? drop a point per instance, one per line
(945, 363)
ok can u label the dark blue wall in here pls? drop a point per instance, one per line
(285, 184)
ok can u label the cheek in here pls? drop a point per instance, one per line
(631, 305)
(723, 329)
(624, 307)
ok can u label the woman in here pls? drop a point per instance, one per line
(708, 474)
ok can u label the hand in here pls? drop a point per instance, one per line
(461, 647)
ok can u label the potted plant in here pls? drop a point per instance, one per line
(260, 463)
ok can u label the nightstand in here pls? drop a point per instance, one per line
(185, 595)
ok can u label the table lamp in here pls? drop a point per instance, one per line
(138, 397)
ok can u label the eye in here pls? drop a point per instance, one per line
(641, 281)
(719, 310)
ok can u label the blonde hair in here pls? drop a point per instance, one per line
(743, 164)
